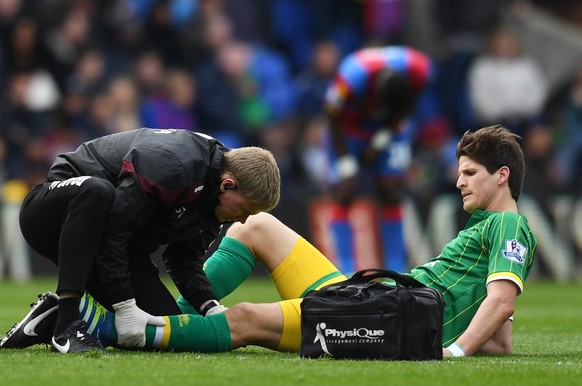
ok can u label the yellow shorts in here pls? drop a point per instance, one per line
(303, 270)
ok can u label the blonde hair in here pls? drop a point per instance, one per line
(256, 174)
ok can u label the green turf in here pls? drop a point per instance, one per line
(547, 351)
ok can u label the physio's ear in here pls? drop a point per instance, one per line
(228, 184)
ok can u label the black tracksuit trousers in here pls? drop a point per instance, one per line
(63, 221)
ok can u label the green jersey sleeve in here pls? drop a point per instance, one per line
(510, 245)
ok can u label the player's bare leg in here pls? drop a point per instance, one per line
(256, 324)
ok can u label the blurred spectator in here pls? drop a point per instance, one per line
(26, 111)
(434, 146)
(293, 25)
(14, 253)
(89, 73)
(568, 118)
(66, 41)
(125, 101)
(506, 85)
(174, 105)
(280, 139)
(312, 82)
(313, 154)
(162, 35)
(262, 83)
(10, 11)
(273, 75)
(210, 27)
(99, 113)
(234, 61)
(544, 179)
(297, 24)
(149, 72)
(121, 35)
(463, 27)
(23, 49)
(250, 19)
(217, 109)
(83, 85)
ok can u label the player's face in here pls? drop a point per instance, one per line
(233, 207)
(479, 189)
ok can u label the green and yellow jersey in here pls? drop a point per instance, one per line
(492, 246)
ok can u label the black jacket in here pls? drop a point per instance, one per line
(167, 182)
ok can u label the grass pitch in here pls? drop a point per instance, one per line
(547, 347)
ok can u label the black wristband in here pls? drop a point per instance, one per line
(208, 306)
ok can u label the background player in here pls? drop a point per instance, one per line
(368, 103)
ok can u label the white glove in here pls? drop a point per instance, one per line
(212, 307)
(130, 323)
(347, 166)
(219, 309)
(381, 140)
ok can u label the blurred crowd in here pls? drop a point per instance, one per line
(254, 72)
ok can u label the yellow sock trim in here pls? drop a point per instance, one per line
(167, 330)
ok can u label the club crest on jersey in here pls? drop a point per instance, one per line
(514, 251)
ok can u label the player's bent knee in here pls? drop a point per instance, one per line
(254, 229)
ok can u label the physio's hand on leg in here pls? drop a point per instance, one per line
(130, 323)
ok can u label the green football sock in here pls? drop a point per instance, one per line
(230, 265)
(181, 332)
(191, 333)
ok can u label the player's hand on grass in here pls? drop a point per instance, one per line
(130, 323)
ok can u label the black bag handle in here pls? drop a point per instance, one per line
(365, 275)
